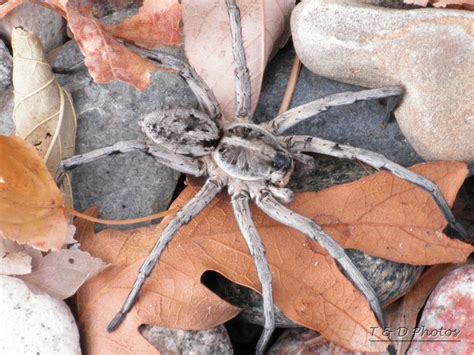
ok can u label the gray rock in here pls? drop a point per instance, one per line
(6, 66)
(127, 185)
(428, 51)
(34, 324)
(175, 341)
(46, 24)
(7, 126)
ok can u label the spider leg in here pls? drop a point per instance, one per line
(288, 119)
(268, 204)
(177, 162)
(378, 161)
(242, 77)
(210, 189)
(207, 101)
(240, 205)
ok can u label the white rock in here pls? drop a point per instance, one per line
(428, 51)
(34, 324)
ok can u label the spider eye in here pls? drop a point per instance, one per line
(281, 162)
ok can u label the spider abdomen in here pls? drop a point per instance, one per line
(249, 152)
(184, 131)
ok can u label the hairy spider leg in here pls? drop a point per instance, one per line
(270, 206)
(205, 195)
(240, 205)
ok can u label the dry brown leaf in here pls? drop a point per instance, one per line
(156, 24)
(8, 6)
(208, 47)
(401, 316)
(308, 286)
(32, 209)
(43, 114)
(61, 273)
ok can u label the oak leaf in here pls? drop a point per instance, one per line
(207, 43)
(308, 287)
(463, 4)
(32, 208)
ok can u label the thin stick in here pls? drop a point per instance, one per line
(242, 77)
(210, 189)
(379, 162)
(121, 222)
(290, 86)
(298, 114)
(268, 204)
(178, 162)
(240, 205)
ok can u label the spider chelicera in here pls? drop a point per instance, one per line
(254, 162)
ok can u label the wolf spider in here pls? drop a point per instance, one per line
(254, 162)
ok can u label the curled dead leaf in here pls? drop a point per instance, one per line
(43, 114)
(32, 208)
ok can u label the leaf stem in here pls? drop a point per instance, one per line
(121, 222)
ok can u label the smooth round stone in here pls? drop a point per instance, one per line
(430, 52)
(34, 324)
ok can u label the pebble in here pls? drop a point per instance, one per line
(46, 24)
(176, 341)
(446, 325)
(430, 52)
(34, 324)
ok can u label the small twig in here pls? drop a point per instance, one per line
(290, 118)
(290, 86)
(121, 222)
(242, 77)
(178, 162)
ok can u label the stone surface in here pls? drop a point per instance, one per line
(126, 185)
(6, 66)
(446, 325)
(430, 52)
(34, 324)
(7, 126)
(175, 341)
(46, 24)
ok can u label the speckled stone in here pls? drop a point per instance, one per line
(448, 315)
(175, 341)
(34, 324)
(6, 66)
(46, 24)
(7, 126)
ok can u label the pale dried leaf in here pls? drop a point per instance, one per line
(43, 114)
(208, 47)
(32, 209)
(14, 260)
(61, 273)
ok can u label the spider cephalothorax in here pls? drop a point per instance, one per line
(254, 162)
